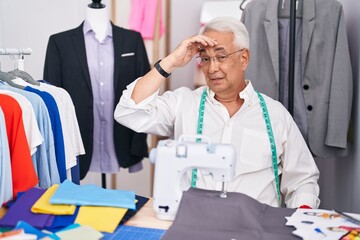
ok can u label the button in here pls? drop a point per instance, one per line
(101, 63)
(309, 107)
(306, 87)
(101, 84)
(102, 103)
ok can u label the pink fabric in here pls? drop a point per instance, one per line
(143, 17)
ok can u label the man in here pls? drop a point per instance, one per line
(233, 113)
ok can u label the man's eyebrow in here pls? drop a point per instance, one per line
(219, 49)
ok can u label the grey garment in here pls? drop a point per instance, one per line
(325, 67)
(299, 113)
(203, 214)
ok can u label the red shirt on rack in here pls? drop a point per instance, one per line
(23, 173)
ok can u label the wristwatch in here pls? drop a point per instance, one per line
(161, 70)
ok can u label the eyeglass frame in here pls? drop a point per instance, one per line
(225, 57)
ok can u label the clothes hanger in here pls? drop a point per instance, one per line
(242, 8)
(7, 78)
(22, 74)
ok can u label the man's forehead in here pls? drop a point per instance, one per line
(215, 49)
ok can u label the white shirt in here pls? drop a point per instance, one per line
(72, 139)
(31, 127)
(71, 131)
(176, 113)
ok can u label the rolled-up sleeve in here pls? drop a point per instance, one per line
(152, 115)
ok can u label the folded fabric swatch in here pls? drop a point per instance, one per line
(21, 210)
(103, 219)
(31, 230)
(79, 233)
(43, 205)
(61, 221)
(139, 204)
(92, 195)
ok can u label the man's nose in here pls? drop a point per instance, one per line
(213, 65)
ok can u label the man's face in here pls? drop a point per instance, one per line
(225, 76)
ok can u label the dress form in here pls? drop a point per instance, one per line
(98, 18)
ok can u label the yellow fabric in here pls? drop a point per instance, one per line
(103, 219)
(43, 205)
(2, 212)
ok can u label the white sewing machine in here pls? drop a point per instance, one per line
(174, 158)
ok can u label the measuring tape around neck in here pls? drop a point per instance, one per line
(199, 131)
(269, 132)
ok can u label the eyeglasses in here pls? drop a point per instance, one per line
(220, 58)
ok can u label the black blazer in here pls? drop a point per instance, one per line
(66, 66)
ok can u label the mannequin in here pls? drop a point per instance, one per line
(95, 78)
(97, 15)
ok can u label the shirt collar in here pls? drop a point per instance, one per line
(247, 93)
(87, 28)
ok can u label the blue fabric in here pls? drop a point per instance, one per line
(44, 159)
(6, 189)
(61, 221)
(72, 226)
(139, 204)
(21, 210)
(56, 128)
(75, 172)
(31, 230)
(92, 195)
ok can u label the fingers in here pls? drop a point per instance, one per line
(199, 42)
(203, 41)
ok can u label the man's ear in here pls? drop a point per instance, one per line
(245, 58)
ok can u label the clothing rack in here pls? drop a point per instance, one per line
(19, 52)
(15, 51)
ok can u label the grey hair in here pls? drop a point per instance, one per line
(232, 25)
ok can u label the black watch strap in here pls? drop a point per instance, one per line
(161, 70)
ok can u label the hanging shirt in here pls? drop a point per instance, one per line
(32, 132)
(143, 16)
(56, 128)
(22, 168)
(44, 158)
(100, 57)
(5, 164)
(176, 113)
(71, 132)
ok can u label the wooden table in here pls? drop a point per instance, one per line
(146, 217)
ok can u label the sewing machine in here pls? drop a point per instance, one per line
(174, 158)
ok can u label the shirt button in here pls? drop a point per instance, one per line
(309, 107)
(101, 63)
(306, 87)
(101, 84)
(102, 103)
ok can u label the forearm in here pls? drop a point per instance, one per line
(151, 82)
